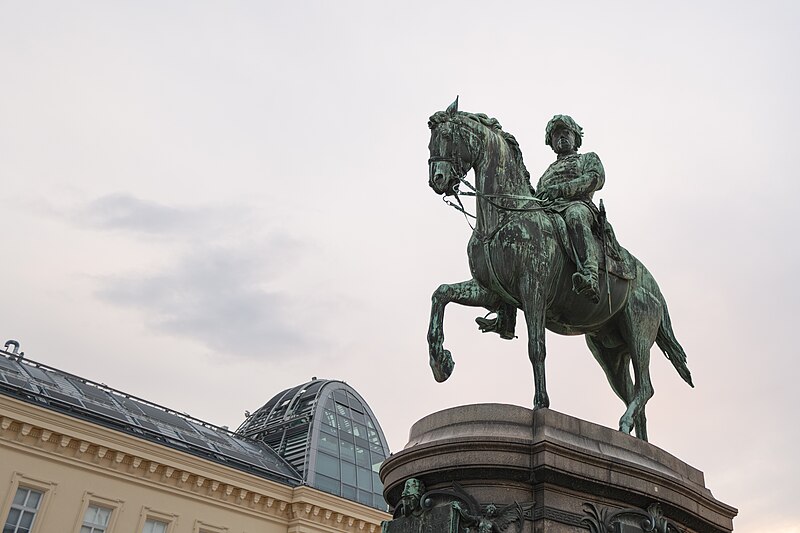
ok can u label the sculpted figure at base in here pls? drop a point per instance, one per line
(551, 254)
(493, 520)
(410, 499)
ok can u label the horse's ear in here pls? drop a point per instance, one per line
(452, 108)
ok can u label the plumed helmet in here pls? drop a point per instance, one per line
(564, 121)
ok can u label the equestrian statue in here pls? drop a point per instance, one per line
(550, 252)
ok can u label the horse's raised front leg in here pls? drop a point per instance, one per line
(464, 293)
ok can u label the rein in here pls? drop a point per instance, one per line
(455, 163)
(488, 197)
(543, 204)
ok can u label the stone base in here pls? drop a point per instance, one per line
(568, 475)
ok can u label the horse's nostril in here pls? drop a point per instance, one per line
(438, 179)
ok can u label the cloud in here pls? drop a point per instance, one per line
(126, 212)
(218, 296)
(221, 285)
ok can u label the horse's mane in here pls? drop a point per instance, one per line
(491, 123)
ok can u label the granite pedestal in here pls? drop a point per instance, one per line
(566, 474)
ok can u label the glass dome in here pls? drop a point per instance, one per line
(326, 430)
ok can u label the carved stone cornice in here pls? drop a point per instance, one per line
(306, 512)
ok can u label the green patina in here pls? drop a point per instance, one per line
(550, 252)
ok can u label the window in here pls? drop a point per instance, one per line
(95, 519)
(348, 451)
(152, 525)
(328, 465)
(23, 510)
(364, 479)
(97, 514)
(151, 521)
(327, 484)
(24, 507)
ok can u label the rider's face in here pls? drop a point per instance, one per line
(562, 140)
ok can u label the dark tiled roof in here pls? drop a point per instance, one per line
(75, 396)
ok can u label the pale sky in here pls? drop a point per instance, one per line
(205, 203)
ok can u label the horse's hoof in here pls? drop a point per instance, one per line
(442, 366)
(541, 403)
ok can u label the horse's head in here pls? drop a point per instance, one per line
(450, 151)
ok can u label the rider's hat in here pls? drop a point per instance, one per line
(564, 121)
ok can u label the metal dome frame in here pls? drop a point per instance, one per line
(328, 433)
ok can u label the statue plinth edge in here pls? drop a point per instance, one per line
(502, 454)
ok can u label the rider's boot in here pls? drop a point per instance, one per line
(585, 282)
(503, 324)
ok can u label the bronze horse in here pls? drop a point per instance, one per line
(517, 261)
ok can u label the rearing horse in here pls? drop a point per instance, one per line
(517, 260)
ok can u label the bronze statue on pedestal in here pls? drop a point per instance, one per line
(549, 252)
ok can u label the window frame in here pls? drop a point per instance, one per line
(205, 527)
(90, 498)
(47, 488)
(148, 513)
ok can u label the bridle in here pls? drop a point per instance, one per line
(456, 163)
(457, 169)
(461, 173)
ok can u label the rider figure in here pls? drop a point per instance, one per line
(567, 185)
(570, 182)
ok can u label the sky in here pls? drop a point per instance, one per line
(205, 203)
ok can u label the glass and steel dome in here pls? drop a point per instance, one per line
(326, 430)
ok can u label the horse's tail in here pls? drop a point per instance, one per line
(671, 347)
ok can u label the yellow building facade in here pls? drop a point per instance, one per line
(61, 473)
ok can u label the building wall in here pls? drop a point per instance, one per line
(77, 463)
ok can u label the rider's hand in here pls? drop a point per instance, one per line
(547, 193)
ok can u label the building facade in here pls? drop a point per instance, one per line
(79, 457)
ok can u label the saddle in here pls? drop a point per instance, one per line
(620, 261)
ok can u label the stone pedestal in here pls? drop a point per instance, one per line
(566, 474)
